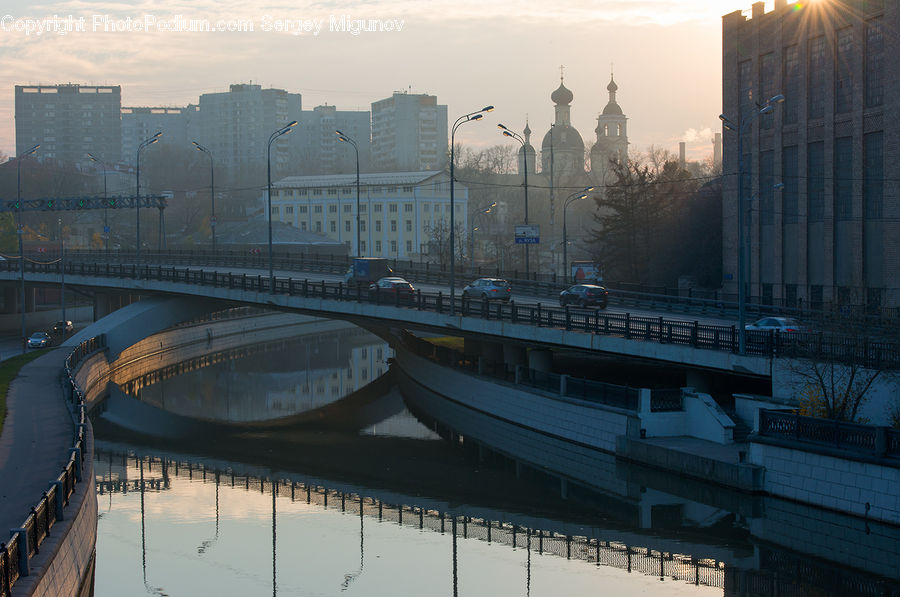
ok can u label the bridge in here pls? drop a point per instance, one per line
(495, 330)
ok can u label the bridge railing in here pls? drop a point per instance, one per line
(842, 348)
(868, 440)
(25, 542)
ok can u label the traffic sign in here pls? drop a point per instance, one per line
(528, 235)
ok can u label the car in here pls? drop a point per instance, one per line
(584, 295)
(491, 289)
(63, 327)
(392, 286)
(39, 340)
(779, 324)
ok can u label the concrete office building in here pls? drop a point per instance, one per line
(831, 235)
(68, 121)
(409, 133)
(178, 126)
(236, 125)
(316, 149)
(404, 214)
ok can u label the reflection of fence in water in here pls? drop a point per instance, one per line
(651, 562)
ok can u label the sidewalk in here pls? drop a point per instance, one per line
(37, 434)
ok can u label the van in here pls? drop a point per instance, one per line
(365, 270)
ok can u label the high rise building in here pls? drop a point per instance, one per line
(177, 125)
(821, 225)
(316, 148)
(68, 121)
(409, 133)
(236, 125)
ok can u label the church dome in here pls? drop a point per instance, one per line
(564, 137)
(562, 96)
(612, 87)
(612, 109)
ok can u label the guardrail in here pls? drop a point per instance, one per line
(25, 542)
(868, 440)
(818, 345)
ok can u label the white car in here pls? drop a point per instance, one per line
(39, 340)
(779, 324)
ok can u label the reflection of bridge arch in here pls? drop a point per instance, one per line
(461, 522)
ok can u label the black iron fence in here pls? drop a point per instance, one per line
(841, 348)
(867, 440)
(25, 542)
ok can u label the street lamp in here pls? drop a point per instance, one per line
(480, 212)
(477, 115)
(137, 199)
(20, 232)
(570, 199)
(282, 131)
(62, 271)
(105, 220)
(740, 129)
(212, 193)
(349, 140)
(517, 137)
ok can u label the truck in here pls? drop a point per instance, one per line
(586, 272)
(365, 270)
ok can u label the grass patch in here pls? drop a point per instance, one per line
(448, 342)
(9, 369)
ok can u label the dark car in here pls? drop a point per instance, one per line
(778, 324)
(392, 286)
(39, 340)
(63, 327)
(488, 289)
(584, 295)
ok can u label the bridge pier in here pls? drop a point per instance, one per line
(540, 360)
(514, 354)
(107, 302)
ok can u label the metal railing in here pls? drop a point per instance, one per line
(25, 542)
(837, 347)
(867, 440)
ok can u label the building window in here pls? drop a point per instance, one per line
(318, 226)
(302, 192)
(362, 208)
(392, 189)
(332, 209)
(767, 87)
(332, 191)
(407, 189)
(378, 246)
(873, 175)
(815, 181)
(303, 209)
(377, 225)
(874, 63)
(816, 84)
(393, 225)
(745, 81)
(317, 191)
(409, 225)
(790, 195)
(394, 247)
(378, 208)
(408, 246)
(362, 225)
(843, 71)
(791, 84)
(275, 194)
(303, 226)
(274, 210)
(815, 296)
(843, 178)
(289, 209)
(346, 225)
(426, 207)
(392, 208)
(347, 209)
(333, 226)
(407, 207)
(362, 246)
(317, 209)
(345, 190)
(766, 187)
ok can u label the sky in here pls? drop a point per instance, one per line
(666, 57)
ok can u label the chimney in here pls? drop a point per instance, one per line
(717, 148)
(681, 161)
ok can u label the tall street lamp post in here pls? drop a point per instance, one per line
(137, 199)
(477, 115)
(20, 231)
(480, 212)
(282, 131)
(570, 199)
(62, 271)
(212, 193)
(741, 129)
(349, 140)
(517, 137)
(105, 199)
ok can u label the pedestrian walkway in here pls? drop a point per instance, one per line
(36, 438)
